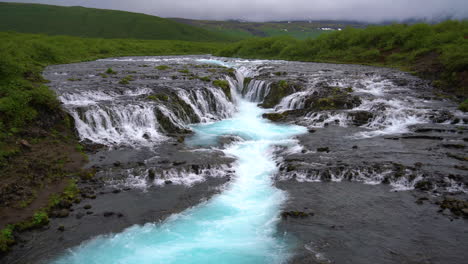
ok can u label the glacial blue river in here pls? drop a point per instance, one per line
(236, 226)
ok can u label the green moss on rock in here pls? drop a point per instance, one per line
(158, 97)
(275, 117)
(162, 67)
(224, 85)
(464, 106)
(279, 90)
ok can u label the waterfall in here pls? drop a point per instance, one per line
(132, 124)
(114, 118)
(256, 90)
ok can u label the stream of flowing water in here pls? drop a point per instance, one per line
(236, 226)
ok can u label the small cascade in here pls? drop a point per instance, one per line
(145, 177)
(132, 124)
(293, 102)
(256, 90)
(208, 104)
(392, 116)
(117, 117)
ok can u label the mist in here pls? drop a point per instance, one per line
(280, 10)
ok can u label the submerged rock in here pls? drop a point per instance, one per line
(296, 214)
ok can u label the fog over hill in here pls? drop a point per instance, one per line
(273, 10)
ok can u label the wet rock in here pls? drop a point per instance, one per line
(457, 207)
(227, 140)
(442, 116)
(168, 182)
(89, 212)
(355, 147)
(87, 207)
(151, 174)
(296, 214)
(275, 117)
(312, 131)
(117, 164)
(454, 146)
(108, 214)
(360, 118)
(62, 213)
(116, 191)
(465, 212)
(177, 163)
(279, 90)
(79, 215)
(457, 157)
(65, 204)
(61, 228)
(424, 185)
(461, 167)
(323, 149)
(196, 168)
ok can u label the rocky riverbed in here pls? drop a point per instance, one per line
(381, 176)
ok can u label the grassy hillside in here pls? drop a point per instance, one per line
(437, 52)
(40, 156)
(99, 23)
(296, 29)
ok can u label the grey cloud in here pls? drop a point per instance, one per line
(268, 10)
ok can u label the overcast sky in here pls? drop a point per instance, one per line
(268, 10)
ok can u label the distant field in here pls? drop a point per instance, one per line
(296, 29)
(89, 22)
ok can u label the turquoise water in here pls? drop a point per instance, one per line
(236, 226)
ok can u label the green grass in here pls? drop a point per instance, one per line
(24, 96)
(438, 52)
(97, 23)
(6, 238)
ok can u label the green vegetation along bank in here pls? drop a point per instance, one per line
(97, 23)
(436, 52)
(39, 152)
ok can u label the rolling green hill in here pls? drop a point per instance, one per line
(89, 22)
(296, 29)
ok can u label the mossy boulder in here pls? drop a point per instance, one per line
(162, 67)
(464, 106)
(126, 80)
(247, 80)
(424, 185)
(158, 97)
(332, 98)
(275, 117)
(360, 118)
(224, 85)
(279, 90)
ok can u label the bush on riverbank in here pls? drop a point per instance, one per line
(438, 52)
